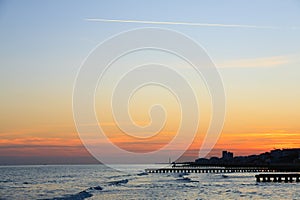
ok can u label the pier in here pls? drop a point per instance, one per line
(224, 168)
(278, 178)
(209, 170)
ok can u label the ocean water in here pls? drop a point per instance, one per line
(99, 182)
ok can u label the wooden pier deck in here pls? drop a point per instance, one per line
(278, 178)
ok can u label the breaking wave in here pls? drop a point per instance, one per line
(119, 182)
(80, 195)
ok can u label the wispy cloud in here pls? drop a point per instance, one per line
(182, 23)
(272, 61)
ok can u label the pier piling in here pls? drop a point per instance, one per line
(278, 178)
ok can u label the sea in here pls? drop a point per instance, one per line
(100, 182)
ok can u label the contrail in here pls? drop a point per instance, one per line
(181, 23)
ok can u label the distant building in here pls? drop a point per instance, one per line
(202, 161)
(227, 155)
(274, 157)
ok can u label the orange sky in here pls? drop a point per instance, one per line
(257, 120)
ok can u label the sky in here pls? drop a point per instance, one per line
(43, 44)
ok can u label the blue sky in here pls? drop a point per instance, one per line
(49, 39)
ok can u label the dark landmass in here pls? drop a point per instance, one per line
(278, 158)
